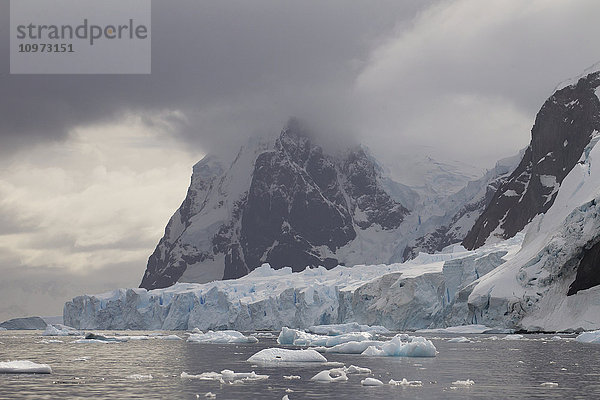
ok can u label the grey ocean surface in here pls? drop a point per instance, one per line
(501, 369)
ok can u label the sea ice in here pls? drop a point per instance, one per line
(226, 376)
(549, 384)
(403, 345)
(291, 377)
(210, 395)
(513, 337)
(330, 375)
(405, 382)
(24, 367)
(61, 330)
(227, 336)
(589, 337)
(169, 337)
(460, 339)
(286, 355)
(300, 338)
(339, 329)
(371, 382)
(140, 377)
(467, 382)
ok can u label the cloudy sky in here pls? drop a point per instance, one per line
(92, 167)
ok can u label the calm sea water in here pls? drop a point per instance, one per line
(501, 369)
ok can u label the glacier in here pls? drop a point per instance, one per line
(412, 295)
(519, 283)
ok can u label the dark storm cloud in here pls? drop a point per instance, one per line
(233, 67)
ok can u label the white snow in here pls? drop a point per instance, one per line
(510, 193)
(24, 367)
(276, 355)
(589, 337)
(371, 382)
(228, 336)
(226, 376)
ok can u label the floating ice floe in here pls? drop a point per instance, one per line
(340, 329)
(371, 382)
(140, 377)
(95, 338)
(227, 336)
(513, 337)
(589, 337)
(24, 367)
(467, 382)
(210, 395)
(275, 355)
(291, 377)
(61, 330)
(549, 384)
(460, 339)
(300, 338)
(285, 397)
(403, 345)
(330, 375)
(405, 382)
(169, 337)
(226, 376)
(49, 341)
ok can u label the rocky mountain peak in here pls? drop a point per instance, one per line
(563, 128)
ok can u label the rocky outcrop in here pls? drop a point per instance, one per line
(562, 130)
(28, 323)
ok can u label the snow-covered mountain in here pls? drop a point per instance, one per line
(287, 203)
(536, 272)
(563, 128)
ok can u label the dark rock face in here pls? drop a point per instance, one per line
(301, 206)
(562, 129)
(28, 323)
(588, 270)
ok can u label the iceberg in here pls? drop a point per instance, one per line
(371, 382)
(403, 345)
(405, 382)
(331, 375)
(300, 338)
(466, 382)
(24, 367)
(226, 376)
(61, 330)
(589, 337)
(227, 336)
(277, 355)
(460, 339)
(340, 329)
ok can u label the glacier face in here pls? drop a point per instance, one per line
(411, 295)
